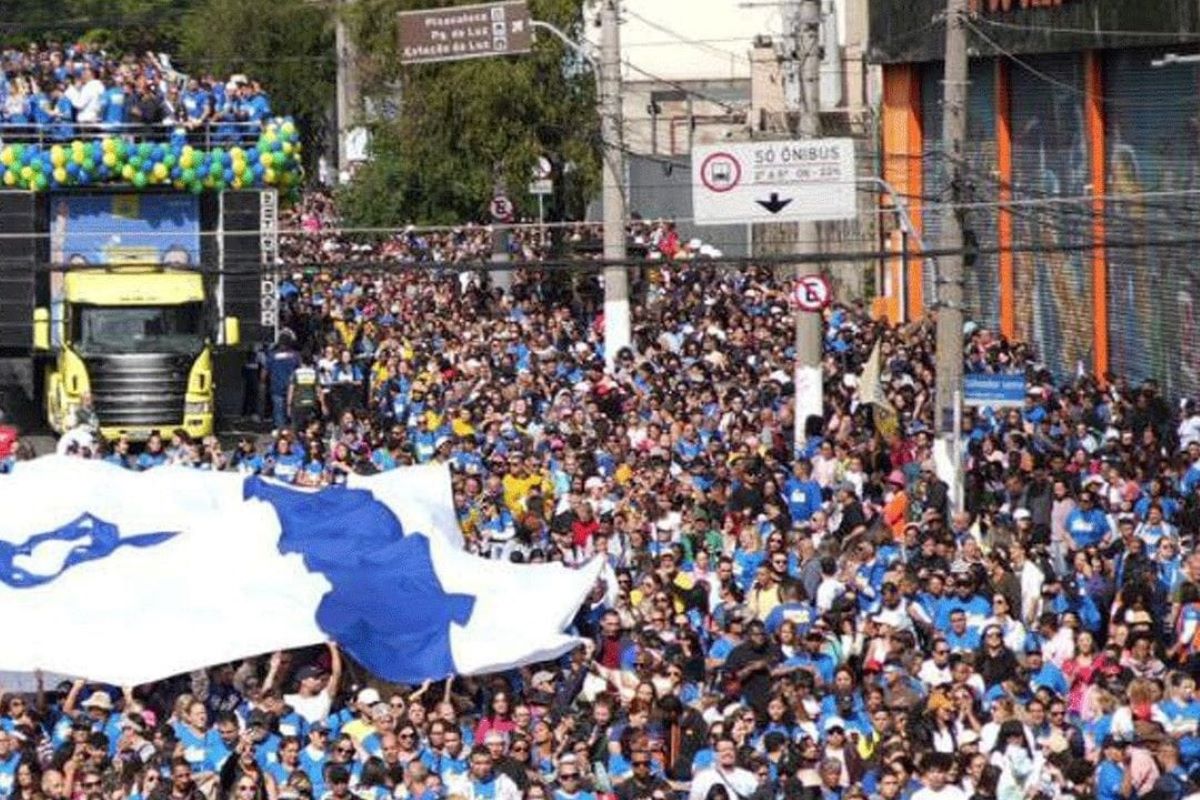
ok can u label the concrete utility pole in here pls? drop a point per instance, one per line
(348, 89)
(810, 394)
(617, 323)
(950, 293)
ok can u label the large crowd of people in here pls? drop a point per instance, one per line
(816, 622)
(82, 87)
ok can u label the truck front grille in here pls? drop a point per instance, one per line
(142, 390)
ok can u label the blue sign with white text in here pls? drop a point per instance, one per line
(997, 391)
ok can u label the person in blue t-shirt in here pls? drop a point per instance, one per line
(197, 104)
(1086, 524)
(115, 102)
(155, 453)
(802, 493)
(1114, 778)
(192, 733)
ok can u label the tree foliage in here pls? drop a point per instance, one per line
(286, 44)
(462, 126)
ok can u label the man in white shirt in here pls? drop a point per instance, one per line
(87, 95)
(314, 696)
(740, 783)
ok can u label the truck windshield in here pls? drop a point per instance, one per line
(137, 329)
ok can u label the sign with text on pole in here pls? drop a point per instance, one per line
(813, 180)
(995, 391)
(461, 32)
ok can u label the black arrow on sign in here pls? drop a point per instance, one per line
(774, 205)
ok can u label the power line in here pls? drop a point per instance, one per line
(1053, 81)
(681, 38)
(1044, 29)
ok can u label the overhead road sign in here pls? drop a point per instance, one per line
(460, 32)
(811, 180)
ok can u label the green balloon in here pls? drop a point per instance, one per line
(196, 187)
(169, 160)
(40, 182)
(88, 166)
(188, 175)
(139, 180)
(144, 149)
(278, 159)
(215, 170)
(136, 162)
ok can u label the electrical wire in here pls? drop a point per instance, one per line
(1050, 79)
(680, 37)
(1044, 29)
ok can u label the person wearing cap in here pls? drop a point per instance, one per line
(1114, 778)
(316, 689)
(97, 710)
(362, 725)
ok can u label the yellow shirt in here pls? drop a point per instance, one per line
(517, 489)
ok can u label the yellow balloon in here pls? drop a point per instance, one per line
(269, 176)
(6, 156)
(127, 172)
(186, 159)
(265, 159)
(287, 148)
(110, 159)
(237, 183)
(60, 175)
(26, 172)
(10, 178)
(108, 145)
(77, 156)
(58, 156)
(237, 153)
(160, 171)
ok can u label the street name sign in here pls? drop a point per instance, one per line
(460, 32)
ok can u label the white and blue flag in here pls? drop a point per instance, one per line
(127, 577)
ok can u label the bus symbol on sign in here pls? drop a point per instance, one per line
(721, 172)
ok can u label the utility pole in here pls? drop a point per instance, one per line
(348, 89)
(950, 291)
(810, 394)
(617, 322)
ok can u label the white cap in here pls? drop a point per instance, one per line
(368, 696)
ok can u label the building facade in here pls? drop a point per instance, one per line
(1082, 175)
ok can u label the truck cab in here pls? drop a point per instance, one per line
(133, 347)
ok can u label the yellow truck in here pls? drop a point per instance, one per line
(134, 347)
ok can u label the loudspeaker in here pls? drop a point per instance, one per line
(20, 245)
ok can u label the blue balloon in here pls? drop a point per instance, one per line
(252, 155)
(229, 176)
(73, 170)
(176, 173)
(258, 170)
(157, 153)
(277, 144)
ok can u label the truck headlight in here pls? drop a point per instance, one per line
(200, 407)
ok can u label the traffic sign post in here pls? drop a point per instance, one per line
(791, 181)
(501, 208)
(812, 293)
(461, 32)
